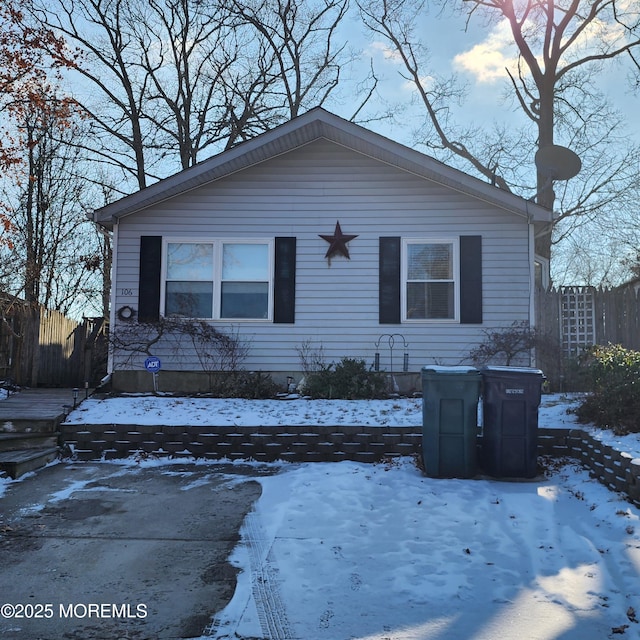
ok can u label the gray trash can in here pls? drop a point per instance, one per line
(450, 421)
(510, 401)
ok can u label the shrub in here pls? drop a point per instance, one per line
(503, 346)
(311, 358)
(614, 374)
(251, 385)
(349, 379)
(516, 344)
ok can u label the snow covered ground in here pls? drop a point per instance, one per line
(341, 551)
(379, 552)
(399, 412)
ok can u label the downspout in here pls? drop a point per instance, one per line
(112, 306)
(532, 275)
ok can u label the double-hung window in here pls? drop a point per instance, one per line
(430, 280)
(219, 279)
(245, 280)
(189, 279)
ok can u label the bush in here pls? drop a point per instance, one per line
(503, 346)
(251, 385)
(614, 375)
(516, 344)
(349, 379)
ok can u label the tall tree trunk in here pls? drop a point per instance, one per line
(545, 195)
(30, 278)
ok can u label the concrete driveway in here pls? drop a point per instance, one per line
(108, 551)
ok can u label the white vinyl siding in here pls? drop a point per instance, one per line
(303, 194)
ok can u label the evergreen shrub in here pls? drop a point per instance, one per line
(349, 380)
(614, 376)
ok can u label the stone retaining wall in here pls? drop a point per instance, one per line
(616, 470)
(264, 444)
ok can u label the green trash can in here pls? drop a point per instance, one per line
(510, 402)
(450, 421)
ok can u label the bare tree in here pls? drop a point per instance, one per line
(298, 41)
(24, 65)
(167, 82)
(396, 21)
(185, 50)
(561, 47)
(111, 81)
(51, 231)
(147, 77)
(301, 54)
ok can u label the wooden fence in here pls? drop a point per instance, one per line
(578, 317)
(575, 318)
(42, 347)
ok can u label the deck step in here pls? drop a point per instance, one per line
(34, 440)
(17, 463)
(30, 425)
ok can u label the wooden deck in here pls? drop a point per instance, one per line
(37, 404)
(30, 427)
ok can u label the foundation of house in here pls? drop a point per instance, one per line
(199, 382)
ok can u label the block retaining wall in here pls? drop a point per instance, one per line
(618, 471)
(263, 444)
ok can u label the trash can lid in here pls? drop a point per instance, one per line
(437, 368)
(505, 369)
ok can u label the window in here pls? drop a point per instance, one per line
(245, 281)
(189, 287)
(220, 279)
(541, 272)
(429, 280)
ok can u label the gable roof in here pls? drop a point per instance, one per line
(314, 125)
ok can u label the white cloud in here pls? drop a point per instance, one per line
(376, 48)
(611, 34)
(488, 59)
(390, 55)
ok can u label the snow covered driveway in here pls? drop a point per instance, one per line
(375, 552)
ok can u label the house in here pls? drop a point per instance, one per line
(318, 235)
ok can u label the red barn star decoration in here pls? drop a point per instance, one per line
(337, 242)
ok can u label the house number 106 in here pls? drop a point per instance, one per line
(126, 292)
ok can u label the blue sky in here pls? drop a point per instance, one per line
(479, 56)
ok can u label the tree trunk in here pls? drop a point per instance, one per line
(545, 195)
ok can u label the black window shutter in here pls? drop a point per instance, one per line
(389, 286)
(149, 286)
(284, 285)
(471, 279)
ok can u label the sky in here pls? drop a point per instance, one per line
(337, 551)
(478, 54)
